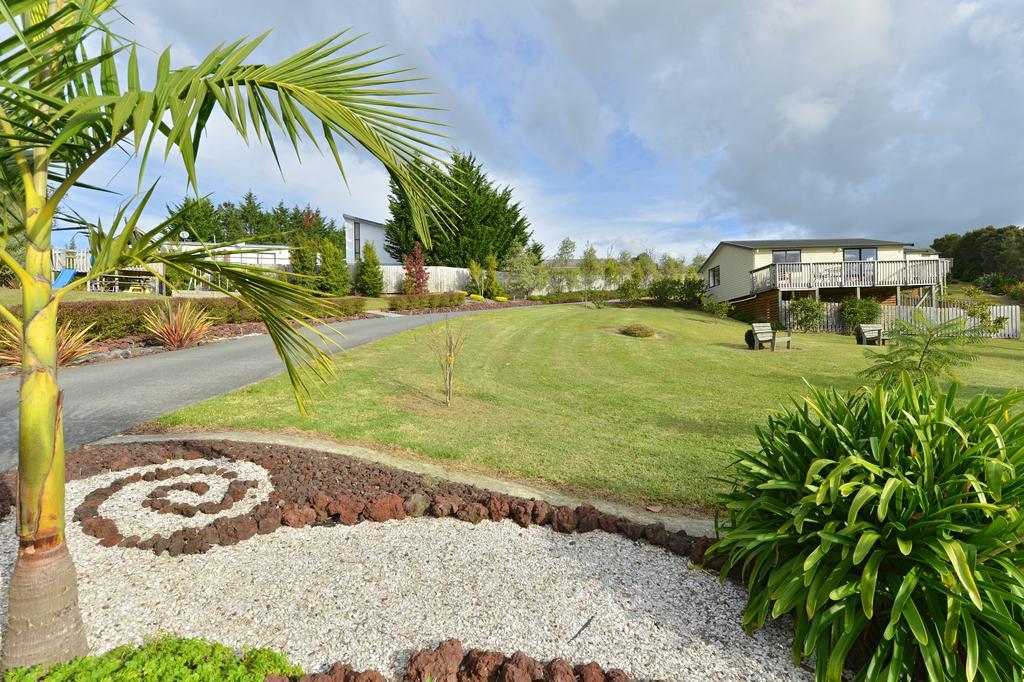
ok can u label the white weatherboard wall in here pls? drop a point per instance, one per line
(734, 264)
(366, 232)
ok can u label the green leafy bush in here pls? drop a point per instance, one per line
(994, 283)
(807, 314)
(334, 277)
(856, 311)
(164, 658)
(716, 308)
(630, 292)
(641, 331)
(476, 297)
(685, 292)
(887, 520)
(492, 287)
(1016, 291)
(501, 299)
(423, 301)
(575, 296)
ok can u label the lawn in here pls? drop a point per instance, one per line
(13, 296)
(554, 395)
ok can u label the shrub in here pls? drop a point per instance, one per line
(641, 331)
(806, 314)
(72, 344)
(741, 316)
(421, 301)
(717, 308)
(749, 338)
(165, 658)
(686, 292)
(369, 276)
(416, 276)
(630, 292)
(994, 283)
(501, 299)
(476, 297)
(856, 311)
(179, 325)
(344, 307)
(887, 518)
(492, 287)
(1016, 291)
(574, 296)
(535, 297)
(476, 277)
(334, 278)
(462, 293)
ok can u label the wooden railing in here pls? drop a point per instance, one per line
(79, 260)
(859, 273)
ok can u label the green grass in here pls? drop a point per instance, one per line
(13, 296)
(554, 394)
(955, 289)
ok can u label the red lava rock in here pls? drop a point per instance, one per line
(199, 488)
(609, 523)
(472, 512)
(679, 543)
(295, 517)
(587, 518)
(498, 507)
(339, 672)
(369, 676)
(481, 666)
(416, 504)
(699, 547)
(245, 528)
(192, 454)
(631, 530)
(276, 678)
(346, 508)
(563, 520)
(439, 665)
(99, 527)
(655, 534)
(121, 463)
(320, 503)
(591, 672)
(533, 669)
(269, 521)
(386, 508)
(513, 673)
(559, 671)
(111, 540)
(196, 544)
(541, 512)
(130, 541)
(445, 505)
(616, 675)
(177, 544)
(521, 511)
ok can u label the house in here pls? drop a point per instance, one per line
(358, 233)
(757, 275)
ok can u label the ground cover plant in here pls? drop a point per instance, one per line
(164, 658)
(887, 520)
(544, 394)
(641, 331)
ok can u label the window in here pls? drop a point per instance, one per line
(870, 253)
(355, 236)
(714, 277)
(783, 256)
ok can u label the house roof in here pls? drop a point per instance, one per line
(361, 221)
(803, 244)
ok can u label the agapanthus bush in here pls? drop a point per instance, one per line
(888, 523)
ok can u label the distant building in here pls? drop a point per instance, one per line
(358, 233)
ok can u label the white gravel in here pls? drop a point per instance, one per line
(369, 594)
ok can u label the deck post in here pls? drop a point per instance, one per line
(897, 295)
(858, 292)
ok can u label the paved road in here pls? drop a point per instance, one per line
(106, 398)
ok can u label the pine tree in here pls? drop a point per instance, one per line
(334, 278)
(199, 218)
(481, 219)
(369, 276)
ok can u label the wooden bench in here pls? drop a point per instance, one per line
(872, 334)
(765, 335)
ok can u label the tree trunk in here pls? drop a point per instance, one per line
(44, 623)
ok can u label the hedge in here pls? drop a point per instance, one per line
(117, 319)
(421, 301)
(578, 296)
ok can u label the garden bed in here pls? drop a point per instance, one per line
(341, 559)
(469, 306)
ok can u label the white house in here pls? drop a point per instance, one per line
(358, 233)
(265, 255)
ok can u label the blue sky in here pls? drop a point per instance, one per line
(659, 125)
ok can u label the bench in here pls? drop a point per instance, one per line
(871, 334)
(765, 335)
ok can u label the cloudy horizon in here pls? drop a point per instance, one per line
(664, 126)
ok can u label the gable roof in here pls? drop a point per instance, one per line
(361, 221)
(840, 242)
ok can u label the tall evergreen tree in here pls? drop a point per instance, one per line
(198, 217)
(369, 276)
(486, 219)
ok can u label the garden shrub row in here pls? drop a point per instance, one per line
(576, 296)
(118, 319)
(424, 301)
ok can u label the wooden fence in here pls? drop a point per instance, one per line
(833, 322)
(440, 278)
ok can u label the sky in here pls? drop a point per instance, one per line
(653, 125)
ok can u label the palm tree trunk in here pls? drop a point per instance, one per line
(44, 623)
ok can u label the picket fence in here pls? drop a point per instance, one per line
(833, 322)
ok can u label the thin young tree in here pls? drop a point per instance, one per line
(62, 110)
(446, 343)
